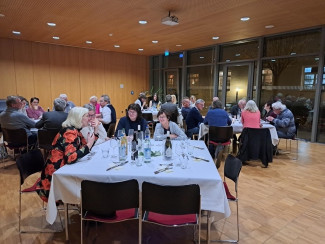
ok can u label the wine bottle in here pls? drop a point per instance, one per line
(168, 153)
(134, 147)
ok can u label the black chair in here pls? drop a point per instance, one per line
(219, 137)
(15, 140)
(149, 118)
(45, 139)
(231, 171)
(111, 130)
(171, 206)
(293, 139)
(255, 143)
(29, 163)
(109, 202)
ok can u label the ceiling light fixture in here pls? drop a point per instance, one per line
(140, 49)
(178, 45)
(269, 26)
(215, 37)
(170, 20)
(117, 46)
(51, 24)
(56, 37)
(245, 19)
(2, 15)
(16, 32)
(142, 22)
(155, 42)
(89, 42)
(110, 34)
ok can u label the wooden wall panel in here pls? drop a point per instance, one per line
(92, 74)
(24, 68)
(46, 71)
(7, 69)
(42, 79)
(64, 72)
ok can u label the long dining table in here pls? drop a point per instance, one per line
(198, 168)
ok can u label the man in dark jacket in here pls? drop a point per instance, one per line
(194, 118)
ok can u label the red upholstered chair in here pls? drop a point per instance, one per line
(171, 206)
(232, 170)
(109, 202)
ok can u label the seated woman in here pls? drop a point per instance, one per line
(34, 111)
(217, 116)
(251, 116)
(132, 119)
(165, 125)
(268, 110)
(142, 101)
(68, 146)
(154, 103)
(94, 126)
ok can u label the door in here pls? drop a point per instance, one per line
(172, 82)
(237, 83)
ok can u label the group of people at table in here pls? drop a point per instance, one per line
(80, 128)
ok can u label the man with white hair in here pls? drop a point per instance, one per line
(69, 104)
(194, 118)
(284, 122)
(236, 109)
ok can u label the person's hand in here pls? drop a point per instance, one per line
(91, 139)
(173, 136)
(269, 118)
(94, 123)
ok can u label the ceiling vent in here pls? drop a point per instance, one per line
(170, 20)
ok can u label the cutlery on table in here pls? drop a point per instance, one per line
(200, 158)
(198, 147)
(162, 170)
(118, 165)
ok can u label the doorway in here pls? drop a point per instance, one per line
(171, 77)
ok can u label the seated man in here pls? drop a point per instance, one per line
(194, 118)
(105, 116)
(69, 104)
(284, 122)
(12, 119)
(236, 109)
(170, 108)
(185, 107)
(53, 120)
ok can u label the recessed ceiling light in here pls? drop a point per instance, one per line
(178, 45)
(154, 42)
(89, 42)
(56, 37)
(117, 46)
(142, 22)
(140, 49)
(201, 57)
(16, 32)
(51, 24)
(2, 15)
(269, 26)
(110, 34)
(237, 54)
(215, 37)
(245, 19)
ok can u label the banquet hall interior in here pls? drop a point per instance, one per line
(254, 49)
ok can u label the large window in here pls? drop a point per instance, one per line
(204, 56)
(173, 60)
(242, 51)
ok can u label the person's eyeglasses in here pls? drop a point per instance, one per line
(131, 112)
(92, 115)
(162, 117)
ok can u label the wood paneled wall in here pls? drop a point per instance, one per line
(34, 69)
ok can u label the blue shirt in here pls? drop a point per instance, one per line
(217, 117)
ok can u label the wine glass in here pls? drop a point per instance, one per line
(113, 144)
(119, 133)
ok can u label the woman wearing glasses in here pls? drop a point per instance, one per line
(34, 111)
(132, 119)
(165, 125)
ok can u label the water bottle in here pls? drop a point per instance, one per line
(168, 152)
(147, 132)
(147, 148)
(123, 145)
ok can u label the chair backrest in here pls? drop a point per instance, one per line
(220, 134)
(15, 138)
(45, 138)
(172, 200)
(147, 116)
(105, 198)
(232, 167)
(30, 163)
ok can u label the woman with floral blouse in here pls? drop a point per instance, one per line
(67, 147)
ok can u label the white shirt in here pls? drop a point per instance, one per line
(102, 134)
(106, 114)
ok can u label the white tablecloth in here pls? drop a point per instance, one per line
(66, 181)
(238, 128)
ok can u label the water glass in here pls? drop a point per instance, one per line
(139, 161)
(113, 144)
(105, 152)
